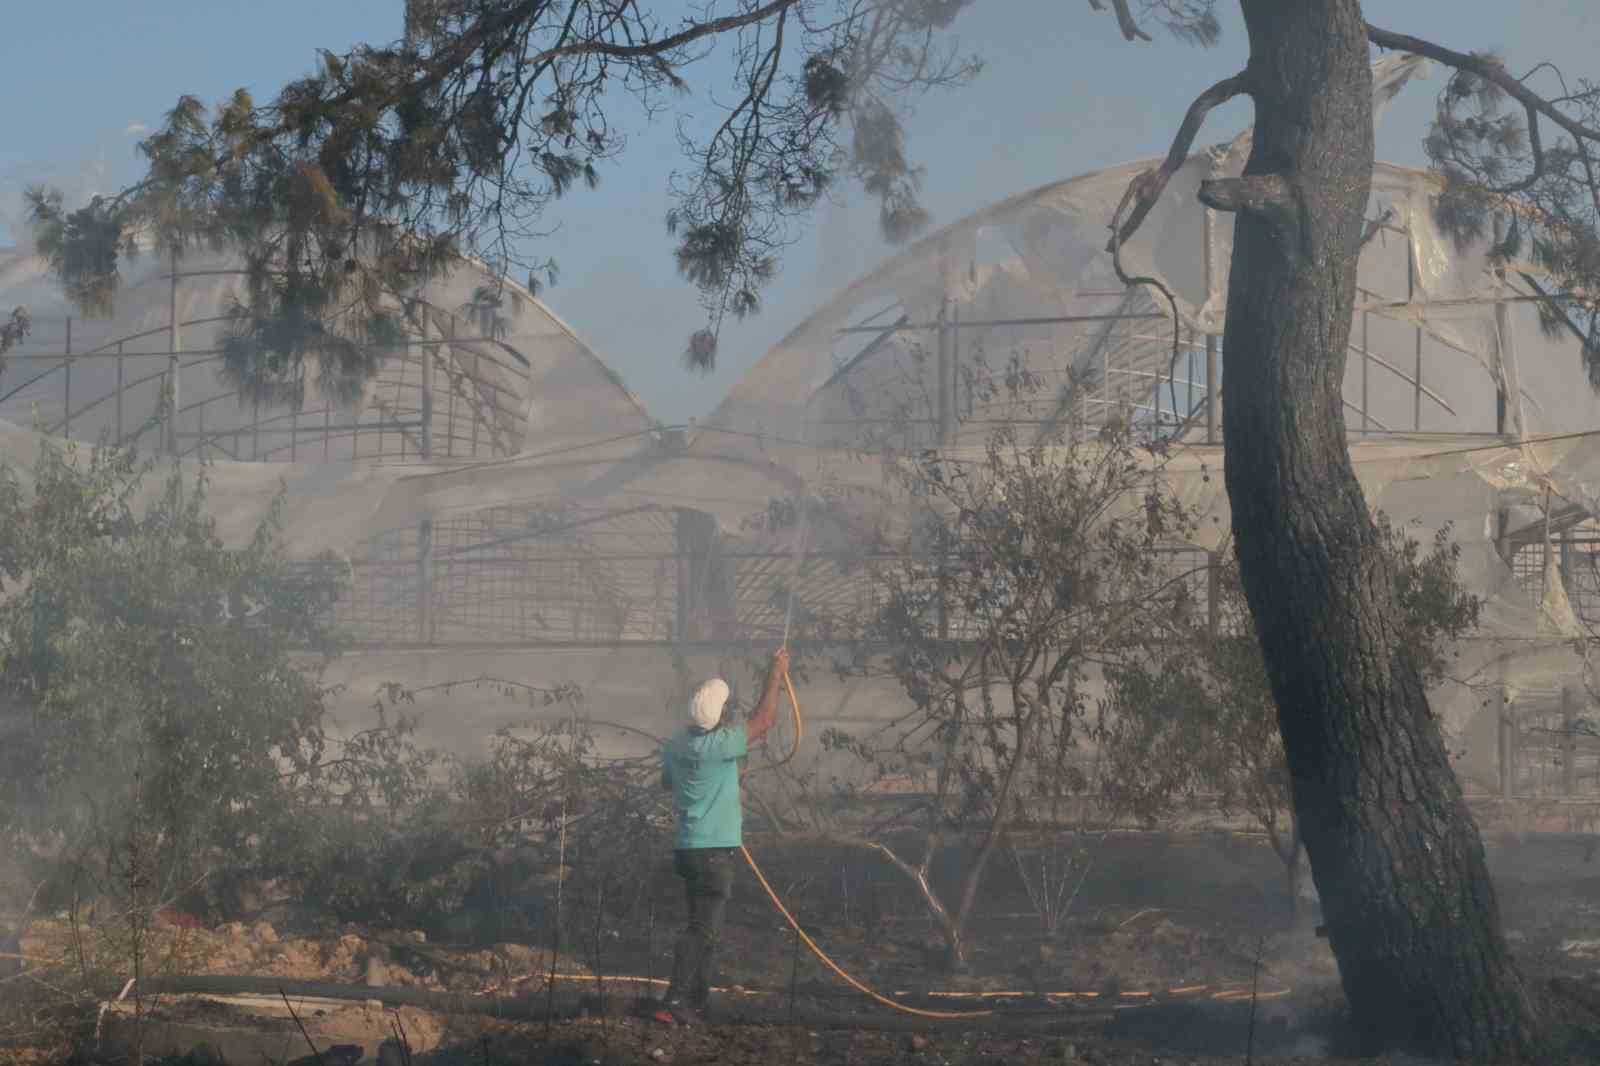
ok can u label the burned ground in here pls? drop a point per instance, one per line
(1157, 959)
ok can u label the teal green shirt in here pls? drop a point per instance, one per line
(703, 770)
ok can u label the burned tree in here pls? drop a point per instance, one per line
(1411, 914)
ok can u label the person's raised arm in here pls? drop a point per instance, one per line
(766, 713)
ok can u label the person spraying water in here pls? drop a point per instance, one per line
(700, 765)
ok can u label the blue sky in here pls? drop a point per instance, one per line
(1061, 94)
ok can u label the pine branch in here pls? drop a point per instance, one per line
(1491, 72)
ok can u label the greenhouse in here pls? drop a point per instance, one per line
(502, 505)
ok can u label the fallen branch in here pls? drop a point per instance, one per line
(301, 1026)
(32, 958)
(100, 1018)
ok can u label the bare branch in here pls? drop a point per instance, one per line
(1148, 187)
(1145, 191)
(1130, 28)
(1191, 20)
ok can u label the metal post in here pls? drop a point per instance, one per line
(1416, 402)
(119, 393)
(1508, 748)
(942, 368)
(1188, 374)
(425, 581)
(1366, 366)
(1214, 594)
(172, 360)
(426, 437)
(682, 608)
(477, 401)
(1569, 742)
(1503, 744)
(1211, 389)
(1411, 296)
(955, 367)
(450, 383)
(1208, 228)
(66, 416)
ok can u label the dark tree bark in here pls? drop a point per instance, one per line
(1396, 857)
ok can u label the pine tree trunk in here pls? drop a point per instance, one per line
(1411, 915)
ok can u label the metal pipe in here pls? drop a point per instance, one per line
(426, 441)
(1208, 222)
(1411, 293)
(177, 346)
(942, 368)
(1051, 320)
(425, 581)
(66, 415)
(1366, 367)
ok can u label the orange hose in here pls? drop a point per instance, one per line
(805, 938)
(799, 731)
(837, 969)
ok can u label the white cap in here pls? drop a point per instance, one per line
(705, 706)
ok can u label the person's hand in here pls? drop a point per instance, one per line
(780, 663)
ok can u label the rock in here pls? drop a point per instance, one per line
(234, 931)
(377, 975)
(658, 1054)
(264, 932)
(918, 1042)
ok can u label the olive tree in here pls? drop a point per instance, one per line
(152, 690)
(1026, 567)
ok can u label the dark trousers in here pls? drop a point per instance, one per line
(707, 883)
